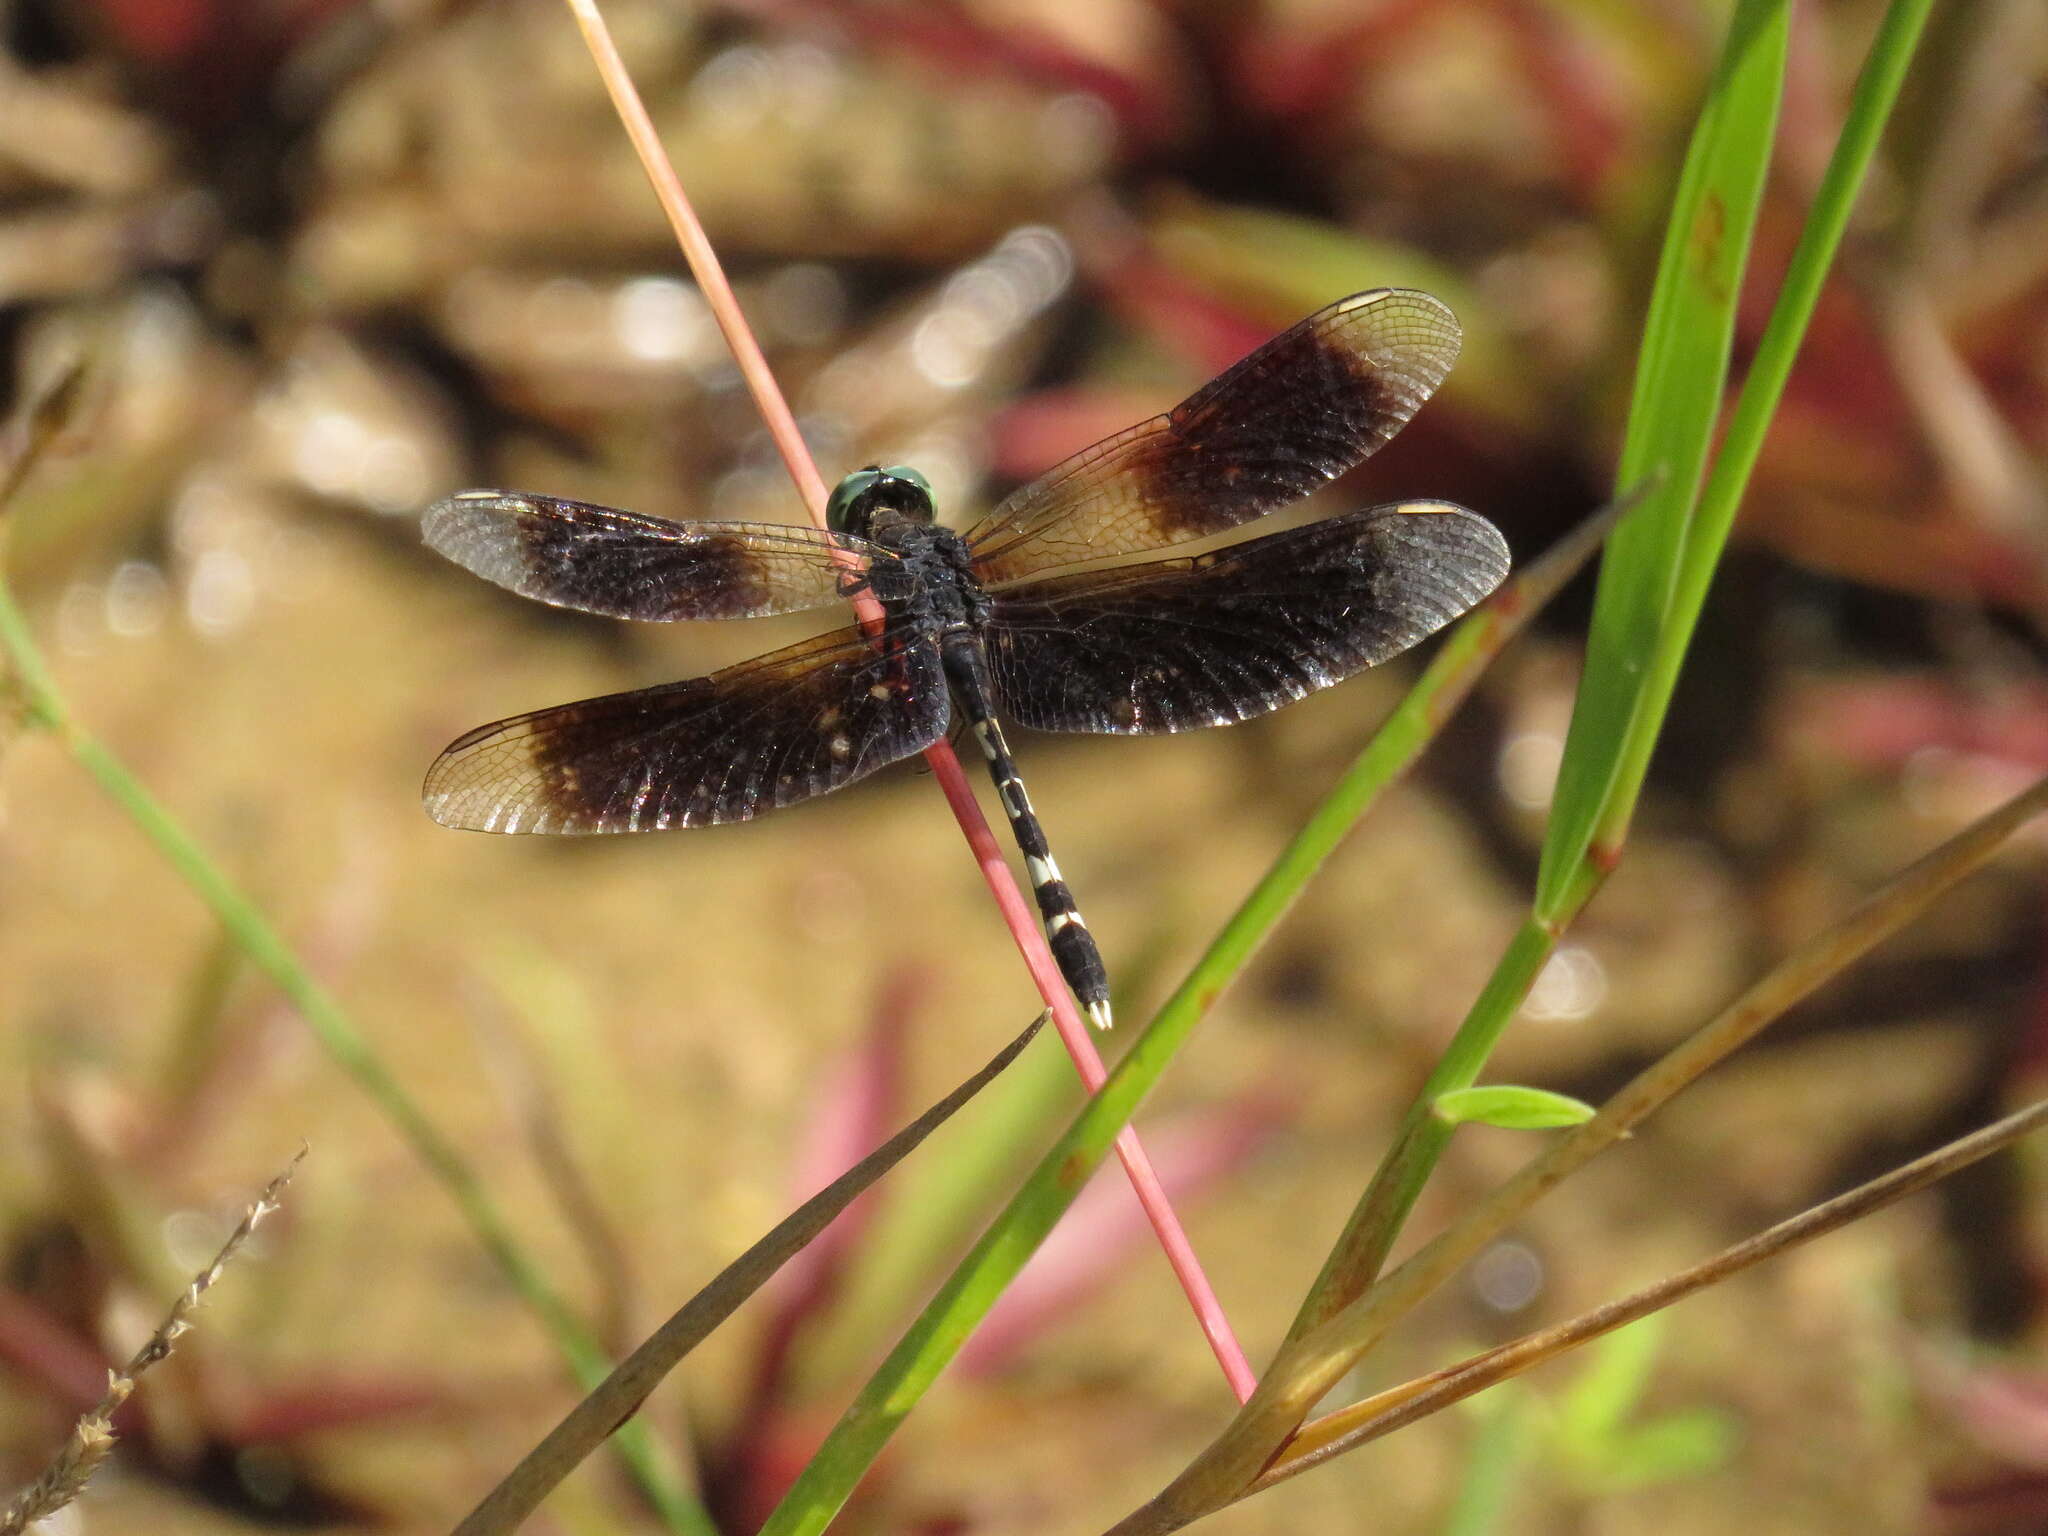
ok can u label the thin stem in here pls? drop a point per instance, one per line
(1017, 914)
(702, 258)
(1080, 1044)
(92, 1437)
(1419, 1142)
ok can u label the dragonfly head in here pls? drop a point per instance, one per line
(866, 492)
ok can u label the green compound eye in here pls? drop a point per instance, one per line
(839, 510)
(899, 488)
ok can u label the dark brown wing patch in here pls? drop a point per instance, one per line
(766, 733)
(1295, 414)
(629, 566)
(1173, 645)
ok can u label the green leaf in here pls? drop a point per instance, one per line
(1512, 1108)
(1681, 373)
(1877, 90)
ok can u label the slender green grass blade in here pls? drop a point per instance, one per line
(1876, 93)
(1680, 376)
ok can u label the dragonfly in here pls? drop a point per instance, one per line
(1018, 616)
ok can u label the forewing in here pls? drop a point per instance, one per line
(766, 733)
(628, 566)
(1301, 410)
(1172, 645)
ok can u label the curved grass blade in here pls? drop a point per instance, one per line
(620, 1394)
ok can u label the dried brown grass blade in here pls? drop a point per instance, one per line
(1336, 1433)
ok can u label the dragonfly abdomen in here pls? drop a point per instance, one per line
(1066, 933)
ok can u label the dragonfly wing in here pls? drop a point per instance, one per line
(1174, 645)
(765, 733)
(625, 565)
(1292, 416)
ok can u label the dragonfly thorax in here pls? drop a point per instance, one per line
(933, 574)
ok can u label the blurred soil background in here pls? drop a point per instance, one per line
(327, 260)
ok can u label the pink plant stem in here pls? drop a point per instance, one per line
(1017, 914)
(1080, 1044)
